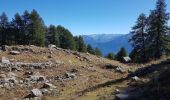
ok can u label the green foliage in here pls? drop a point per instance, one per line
(37, 29)
(98, 52)
(29, 29)
(80, 45)
(52, 36)
(90, 49)
(122, 53)
(66, 38)
(138, 39)
(111, 56)
(151, 39)
(134, 56)
(3, 29)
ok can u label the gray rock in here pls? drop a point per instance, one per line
(135, 78)
(120, 70)
(14, 52)
(51, 46)
(70, 75)
(5, 60)
(44, 91)
(36, 93)
(122, 96)
(49, 85)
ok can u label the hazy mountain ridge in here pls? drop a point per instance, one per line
(109, 42)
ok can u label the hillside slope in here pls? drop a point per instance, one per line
(29, 70)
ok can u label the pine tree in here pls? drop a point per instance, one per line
(53, 36)
(4, 24)
(37, 29)
(110, 56)
(158, 40)
(18, 29)
(122, 53)
(76, 38)
(82, 46)
(26, 27)
(98, 52)
(66, 38)
(138, 38)
(90, 49)
(134, 56)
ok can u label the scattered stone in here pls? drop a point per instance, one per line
(37, 78)
(122, 96)
(126, 59)
(5, 60)
(120, 70)
(49, 85)
(70, 75)
(117, 91)
(4, 47)
(11, 75)
(44, 91)
(135, 78)
(14, 52)
(51, 46)
(2, 76)
(36, 93)
(28, 73)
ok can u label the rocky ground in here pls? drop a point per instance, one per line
(36, 73)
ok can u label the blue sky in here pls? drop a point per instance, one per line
(85, 16)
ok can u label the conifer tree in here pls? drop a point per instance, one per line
(37, 29)
(26, 27)
(98, 52)
(76, 38)
(158, 39)
(53, 36)
(4, 24)
(138, 38)
(18, 29)
(82, 46)
(66, 38)
(110, 56)
(122, 53)
(90, 49)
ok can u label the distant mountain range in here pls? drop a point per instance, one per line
(109, 42)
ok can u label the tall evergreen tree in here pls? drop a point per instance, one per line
(82, 46)
(76, 38)
(158, 40)
(90, 49)
(98, 52)
(4, 24)
(66, 38)
(138, 38)
(122, 53)
(110, 56)
(53, 36)
(37, 29)
(18, 30)
(26, 18)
